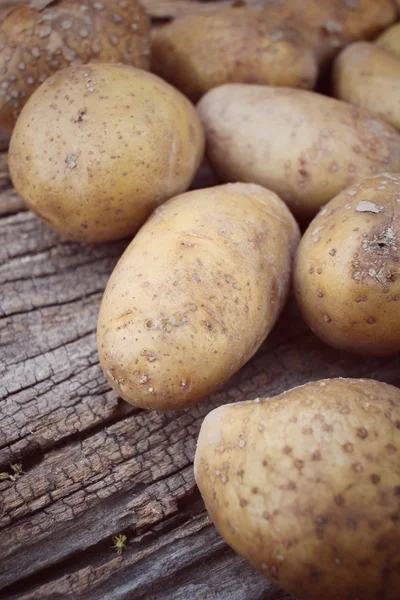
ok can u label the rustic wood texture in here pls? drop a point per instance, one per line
(94, 466)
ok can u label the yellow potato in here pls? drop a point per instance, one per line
(199, 52)
(306, 486)
(390, 40)
(369, 77)
(329, 25)
(97, 148)
(195, 294)
(347, 272)
(34, 43)
(303, 146)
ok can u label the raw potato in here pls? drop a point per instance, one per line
(390, 40)
(329, 25)
(306, 486)
(34, 43)
(303, 146)
(347, 272)
(199, 52)
(369, 77)
(195, 294)
(97, 148)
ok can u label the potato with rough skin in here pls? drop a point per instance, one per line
(195, 294)
(306, 486)
(36, 42)
(98, 147)
(369, 77)
(304, 146)
(347, 269)
(199, 52)
(390, 40)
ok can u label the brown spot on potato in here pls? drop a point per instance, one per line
(375, 478)
(352, 524)
(362, 433)
(339, 500)
(348, 447)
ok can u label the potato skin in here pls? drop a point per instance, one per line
(390, 40)
(347, 269)
(330, 25)
(369, 77)
(306, 486)
(304, 146)
(36, 43)
(98, 147)
(200, 52)
(195, 294)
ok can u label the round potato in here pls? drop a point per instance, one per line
(34, 43)
(369, 77)
(97, 148)
(306, 486)
(195, 294)
(390, 40)
(347, 272)
(303, 146)
(329, 25)
(199, 52)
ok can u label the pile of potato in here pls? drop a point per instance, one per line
(305, 485)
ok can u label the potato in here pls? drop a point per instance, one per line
(34, 43)
(369, 77)
(306, 486)
(303, 146)
(97, 148)
(195, 294)
(347, 273)
(390, 40)
(199, 52)
(329, 25)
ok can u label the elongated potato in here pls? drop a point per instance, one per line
(303, 146)
(347, 272)
(195, 294)
(98, 147)
(199, 52)
(390, 40)
(306, 486)
(369, 77)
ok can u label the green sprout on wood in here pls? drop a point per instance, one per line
(120, 543)
(17, 471)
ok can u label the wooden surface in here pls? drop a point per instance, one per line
(94, 466)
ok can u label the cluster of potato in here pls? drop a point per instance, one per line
(305, 485)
